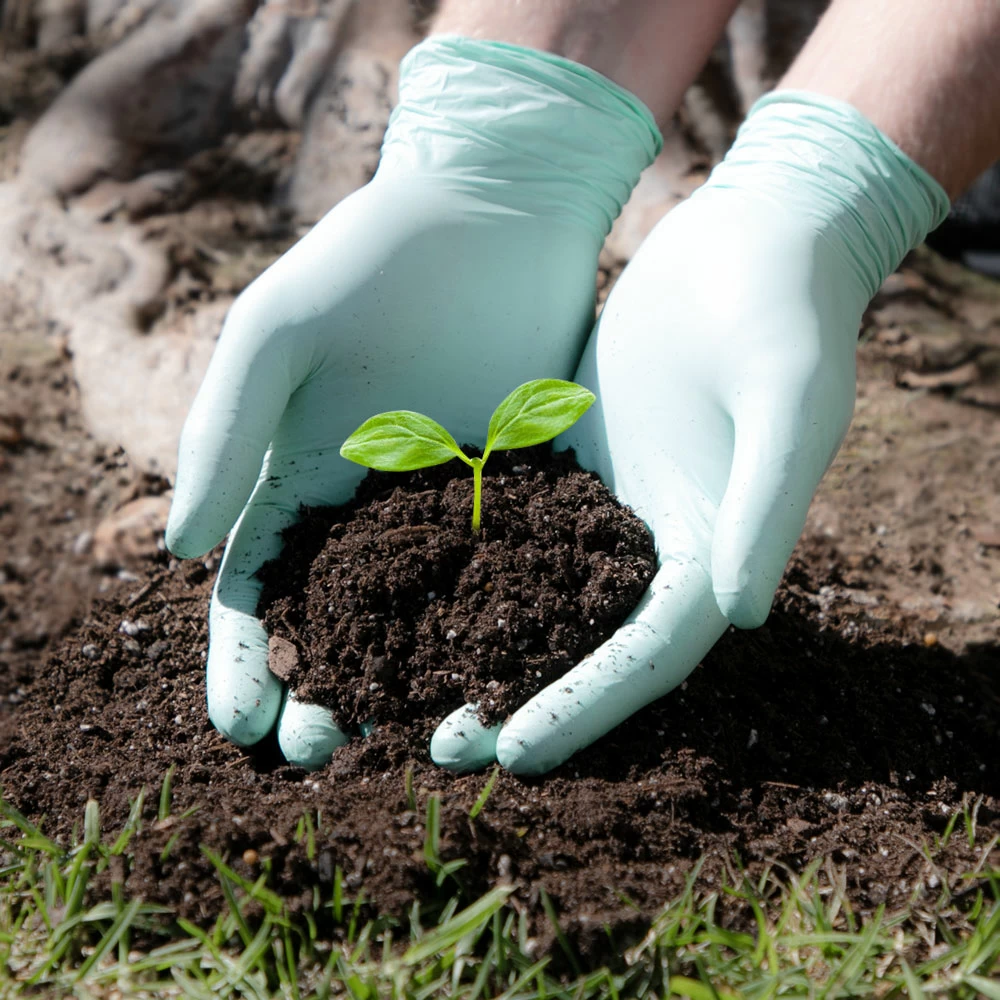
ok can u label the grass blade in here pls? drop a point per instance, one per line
(454, 929)
(484, 795)
(118, 927)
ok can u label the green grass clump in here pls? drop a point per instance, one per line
(63, 934)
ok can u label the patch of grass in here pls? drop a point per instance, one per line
(442, 870)
(63, 934)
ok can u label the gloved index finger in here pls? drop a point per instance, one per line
(227, 432)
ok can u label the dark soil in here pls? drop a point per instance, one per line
(398, 612)
(847, 730)
(788, 744)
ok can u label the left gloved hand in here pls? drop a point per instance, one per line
(465, 267)
(724, 368)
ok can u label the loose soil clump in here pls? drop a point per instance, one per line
(391, 609)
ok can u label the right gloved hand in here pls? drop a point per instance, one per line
(465, 268)
(724, 368)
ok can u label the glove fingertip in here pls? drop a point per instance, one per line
(745, 607)
(462, 743)
(307, 734)
(217, 469)
(244, 728)
(516, 754)
(185, 538)
(207, 503)
(748, 561)
(243, 697)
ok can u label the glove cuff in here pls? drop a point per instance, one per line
(520, 128)
(825, 161)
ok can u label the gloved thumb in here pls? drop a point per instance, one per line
(780, 454)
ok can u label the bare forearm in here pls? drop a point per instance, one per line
(653, 49)
(926, 73)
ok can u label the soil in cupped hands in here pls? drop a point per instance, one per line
(391, 607)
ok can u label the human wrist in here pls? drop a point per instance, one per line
(930, 83)
(653, 50)
(825, 162)
(519, 127)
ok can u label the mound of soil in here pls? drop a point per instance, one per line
(391, 609)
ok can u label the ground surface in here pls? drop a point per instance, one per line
(849, 728)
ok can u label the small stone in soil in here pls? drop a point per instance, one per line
(282, 657)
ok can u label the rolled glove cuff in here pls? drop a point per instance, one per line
(823, 160)
(519, 128)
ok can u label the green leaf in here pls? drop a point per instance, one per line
(400, 441)
(535, 412)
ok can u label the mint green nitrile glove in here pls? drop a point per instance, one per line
(724, 370)
(466, 267)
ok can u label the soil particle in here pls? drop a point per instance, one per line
(399, 612)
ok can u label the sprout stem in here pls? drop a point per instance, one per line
(477, 491)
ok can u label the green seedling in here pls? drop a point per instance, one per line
(401, 440)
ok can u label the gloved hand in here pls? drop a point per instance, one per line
(466, 267)
(724, 368)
